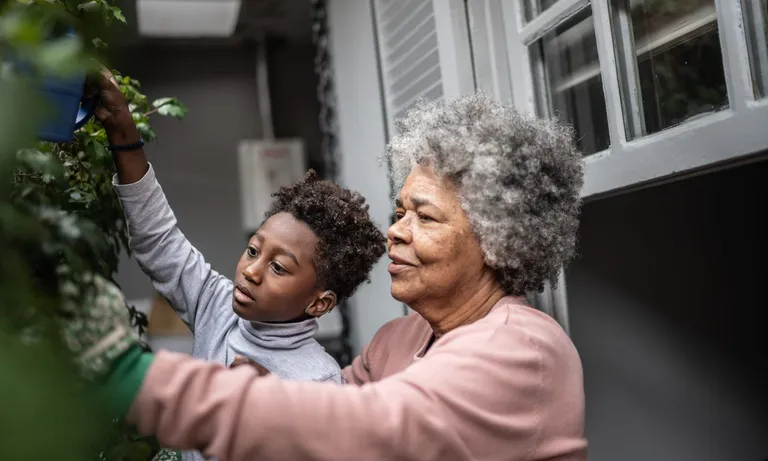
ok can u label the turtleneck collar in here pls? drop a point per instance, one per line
(279, 335)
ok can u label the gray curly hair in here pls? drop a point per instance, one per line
(518, 179)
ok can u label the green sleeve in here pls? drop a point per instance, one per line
(123, 383)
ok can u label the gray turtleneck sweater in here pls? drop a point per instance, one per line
(203, 298)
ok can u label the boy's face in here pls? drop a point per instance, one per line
(275, 279)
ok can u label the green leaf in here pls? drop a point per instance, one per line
(162, 101)
(173, 110)
(20, 111)
(146, 131)
(170, 107)
(118, 14)
(89, 7)
(39, 161)
(98, 43)
(20, 29)
(62, 56)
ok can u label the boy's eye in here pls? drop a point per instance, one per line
(252, 252)
(278, 269)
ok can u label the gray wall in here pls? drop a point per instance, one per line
(361, 142)
(667, 305)
(293, 96)
(196, 159)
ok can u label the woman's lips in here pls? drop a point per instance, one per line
(396, 268)
(398, 264)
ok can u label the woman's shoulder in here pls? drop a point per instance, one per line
(513, 324)
(411, 326)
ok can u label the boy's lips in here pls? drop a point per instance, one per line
(242, 295)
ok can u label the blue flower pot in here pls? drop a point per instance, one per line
(70, 109)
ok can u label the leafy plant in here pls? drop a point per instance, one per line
(59, 217)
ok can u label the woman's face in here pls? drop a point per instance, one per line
(434, 252)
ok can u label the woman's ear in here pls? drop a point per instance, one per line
(322, 305)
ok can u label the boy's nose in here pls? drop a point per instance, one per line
(253, 273)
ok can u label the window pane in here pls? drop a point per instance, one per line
(756, 28)
(671, 62)
(533, 8)
(568, 82)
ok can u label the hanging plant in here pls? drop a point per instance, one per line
(59, 218)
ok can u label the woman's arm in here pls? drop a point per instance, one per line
(515, 401)
(509, 388)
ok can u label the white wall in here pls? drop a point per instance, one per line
(362, 140)
(666, 306)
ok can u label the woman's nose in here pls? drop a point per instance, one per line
(400, 231)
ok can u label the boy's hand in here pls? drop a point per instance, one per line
(112, 102)
(112, 110)
(240, 361)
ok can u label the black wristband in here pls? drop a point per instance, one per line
(124, 147)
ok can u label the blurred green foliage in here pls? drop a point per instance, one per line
(59, 216)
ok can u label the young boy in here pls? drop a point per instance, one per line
(315, 247)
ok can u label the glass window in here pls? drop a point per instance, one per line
(756, 28)
(568, 83)
(670, 61)
(533, 8)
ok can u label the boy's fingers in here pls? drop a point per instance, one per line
(240, 361)
(107, 75)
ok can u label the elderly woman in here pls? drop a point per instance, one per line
(486, 212)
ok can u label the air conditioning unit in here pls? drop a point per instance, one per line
(264, 166)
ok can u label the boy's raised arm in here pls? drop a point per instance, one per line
(178, 271)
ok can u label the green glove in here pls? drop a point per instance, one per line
(167, 455)
(99, 330)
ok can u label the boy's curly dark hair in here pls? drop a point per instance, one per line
(349, 243)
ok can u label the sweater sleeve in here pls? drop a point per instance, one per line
(362, 370)
(358, 372)
(178, 271)
(471, 399)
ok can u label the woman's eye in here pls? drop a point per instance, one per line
(424, 217)
(278, 269)
(252, 252)
(399, 215)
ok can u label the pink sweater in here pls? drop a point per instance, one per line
(507, 387)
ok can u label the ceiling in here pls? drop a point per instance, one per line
(282, 19)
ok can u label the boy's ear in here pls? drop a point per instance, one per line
(322, 305)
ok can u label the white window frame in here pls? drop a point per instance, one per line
(494, 75)
(735, 134)
(454, 53)
(453, 46)
(712, 141)
(489, 53)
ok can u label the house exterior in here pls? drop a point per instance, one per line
(668, 100)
